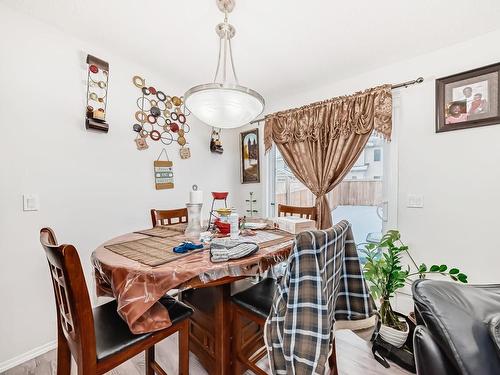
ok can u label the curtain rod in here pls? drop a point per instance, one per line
(396, 86)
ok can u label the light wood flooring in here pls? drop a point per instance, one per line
(353, 355)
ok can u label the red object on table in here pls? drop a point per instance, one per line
(223, 227)
(220, 194)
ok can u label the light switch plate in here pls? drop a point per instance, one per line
(415, 201)
(31, 202)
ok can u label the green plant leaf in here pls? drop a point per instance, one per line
(443, 267)
(422, 268)
(434, 268)
(462, 278)
(454, 271)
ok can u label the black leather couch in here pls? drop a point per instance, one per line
(458, 328)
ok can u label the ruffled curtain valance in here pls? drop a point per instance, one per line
(321, 142)
(360, 113)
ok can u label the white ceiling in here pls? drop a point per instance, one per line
(280, 46)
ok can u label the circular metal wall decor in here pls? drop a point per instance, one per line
(152, 119)
(140, 116)
(159, 118)
(161, 96)
(138, 82)
(155, 111)
(144, 104)
(155, 135)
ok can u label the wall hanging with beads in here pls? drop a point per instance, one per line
(97, 94)
(159, 117)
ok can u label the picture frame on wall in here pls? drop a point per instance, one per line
(250, 156)
(469, 99)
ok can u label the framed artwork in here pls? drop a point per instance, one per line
(250, 158)
(469, 99)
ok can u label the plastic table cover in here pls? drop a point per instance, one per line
(138, 288)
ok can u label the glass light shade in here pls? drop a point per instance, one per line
(224, 106)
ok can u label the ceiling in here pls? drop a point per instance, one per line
(280, 46)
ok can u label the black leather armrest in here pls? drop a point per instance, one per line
(429, 358)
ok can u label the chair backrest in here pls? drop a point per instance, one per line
(304, 212)
(74, 310)
(169, 217)
(323, 274)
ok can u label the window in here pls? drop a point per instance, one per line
(355, 199)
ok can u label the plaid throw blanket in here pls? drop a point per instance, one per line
(323, 283)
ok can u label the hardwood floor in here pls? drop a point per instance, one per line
(353, 355)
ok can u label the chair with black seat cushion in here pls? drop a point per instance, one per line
(252, 307)
(457, 330)
(98, 339)
(250, 310)
(169, 217)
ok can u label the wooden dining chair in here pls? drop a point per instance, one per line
(98, 339)
(250, 310)
(304, 212)
(169, 217)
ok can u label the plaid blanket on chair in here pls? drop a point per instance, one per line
(323, 283)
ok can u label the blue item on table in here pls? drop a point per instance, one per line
(185, 247)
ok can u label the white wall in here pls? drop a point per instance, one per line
(92, 186)
(457, 172)
(95, 186)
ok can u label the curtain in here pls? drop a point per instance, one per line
(320, 142)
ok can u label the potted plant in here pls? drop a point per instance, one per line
(385, 274)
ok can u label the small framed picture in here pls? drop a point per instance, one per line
(250, 160)
(469, 99)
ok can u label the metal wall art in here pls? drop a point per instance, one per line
(159, 117)
(97, 94)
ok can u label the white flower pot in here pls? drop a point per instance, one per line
(393, 336)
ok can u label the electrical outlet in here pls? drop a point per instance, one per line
(415, 201)
(31, 202)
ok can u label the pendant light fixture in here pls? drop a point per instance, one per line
(224, 103)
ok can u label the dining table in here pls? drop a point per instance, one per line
(126, 268)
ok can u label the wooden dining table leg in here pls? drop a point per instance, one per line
(210, 334)
(223, 326)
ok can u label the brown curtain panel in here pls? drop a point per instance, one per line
(320, 142)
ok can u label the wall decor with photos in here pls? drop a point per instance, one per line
(159, 117)
(250, 156)
(469, 99)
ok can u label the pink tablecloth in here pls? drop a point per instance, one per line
(137, 287)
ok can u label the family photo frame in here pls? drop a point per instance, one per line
(469, 99)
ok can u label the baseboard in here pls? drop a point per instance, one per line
(20, 359)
